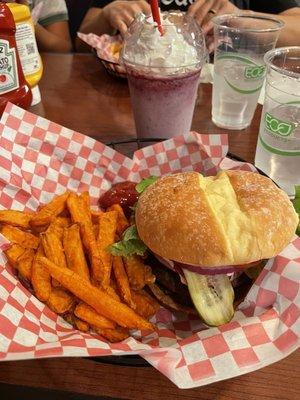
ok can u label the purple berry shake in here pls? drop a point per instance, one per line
(163, 106)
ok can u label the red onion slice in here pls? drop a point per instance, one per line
(226, 269)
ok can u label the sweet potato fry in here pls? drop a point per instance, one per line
(74, 251)
(88, 314)
(81, 325)
(96, 230)
(96, 298)
(122, 281)
(24, 264)
(13, 253)
(146, 306)
(113, 335)
(95, 217)
(21, 259)
(57, 226)
(49, 211)
(138, 273)
(86, 198)
(40, 277)
(60, 301)
(123, 222)
(80, 214)
(106, 237)
(70, 318)
(111, 290)
(16, 218)
(76, 322)
(16, 235)
(53, 249)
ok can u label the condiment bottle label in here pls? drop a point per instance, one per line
(27, 48)
(9, 79)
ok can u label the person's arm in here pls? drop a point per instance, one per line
(53, 37)
(204, 10)
(117, 15)
(290, 34)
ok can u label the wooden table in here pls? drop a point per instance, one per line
(78, 94)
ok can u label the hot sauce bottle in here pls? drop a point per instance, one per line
(13, 86)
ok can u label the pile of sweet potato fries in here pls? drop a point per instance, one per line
(62, 251)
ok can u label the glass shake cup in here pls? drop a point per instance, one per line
(241, 42)
(163, 73)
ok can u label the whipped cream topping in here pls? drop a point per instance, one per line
(179, 46)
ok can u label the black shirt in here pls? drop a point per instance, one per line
(183, 5)
(78, 8)
(268, 6)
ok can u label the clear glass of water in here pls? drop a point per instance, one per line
(278, 146)
(241, 41)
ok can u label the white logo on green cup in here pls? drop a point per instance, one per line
(255, 72)
(277, 126)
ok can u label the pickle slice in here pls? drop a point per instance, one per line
(212, 296)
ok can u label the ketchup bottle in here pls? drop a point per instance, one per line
(13, 86)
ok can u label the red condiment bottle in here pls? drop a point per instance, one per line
(13, 86)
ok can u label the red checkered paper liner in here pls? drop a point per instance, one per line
(102, 44)
(39, 160)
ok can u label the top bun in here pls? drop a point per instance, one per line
(233, 218)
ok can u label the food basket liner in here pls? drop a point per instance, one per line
(40, 159)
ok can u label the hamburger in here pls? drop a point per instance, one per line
(209, 229)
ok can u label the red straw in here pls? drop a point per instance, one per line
(156, 15)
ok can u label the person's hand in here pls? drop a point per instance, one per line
(204, 10)
(120, 14)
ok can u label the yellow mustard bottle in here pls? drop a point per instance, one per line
(26, 43)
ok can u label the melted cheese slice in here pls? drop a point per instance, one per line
(234, 223)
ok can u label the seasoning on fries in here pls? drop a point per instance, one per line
(81, 325)
(15, 218)
(123, 222)
(113, 335)
(122, 281)
(16, 235)
(24, 264)
(63, 252)
(106, 237)
(81, 214)
(88, 314)
(53, 249)
(60, 301)
(40, 277)
(74, 251)
(139, 274)
(145, 305)
(49, 211)
(96, 298)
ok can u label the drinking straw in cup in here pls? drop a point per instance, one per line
(156, 15)
(163, 73)
(278, 146)
(241, 42)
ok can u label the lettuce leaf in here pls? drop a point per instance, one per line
(129, 245)
(140, 187)
(296, 203)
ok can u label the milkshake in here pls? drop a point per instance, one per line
(163, 73)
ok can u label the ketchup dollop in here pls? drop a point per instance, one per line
(122, 193)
